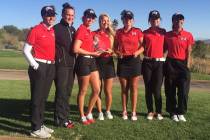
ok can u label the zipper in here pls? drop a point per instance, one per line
(70, 36)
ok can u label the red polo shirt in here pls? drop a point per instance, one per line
(104, 42)
(42, 40)
(85, 35)
(128, 42)
(177, 44)
(153, 42)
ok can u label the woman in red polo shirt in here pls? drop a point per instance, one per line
(85, 67)
(105, 35)
(39, 51)
(152, 66)
(127, 46)
(178, 44)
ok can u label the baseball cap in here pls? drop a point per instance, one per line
(177, 16)
(48, 11)
(126, 14)
(90, 13)
(154, 14)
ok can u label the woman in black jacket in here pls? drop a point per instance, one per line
(65, 59)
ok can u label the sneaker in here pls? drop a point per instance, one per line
(46, 129)
(124, 115)
(150, 116)
(175, 118)
(109, 115)
(101, 116)
(90, 118)
(133, 116)
(69, 124)
(41, 133)
(182, 118)
(84, 121)
(159, 116)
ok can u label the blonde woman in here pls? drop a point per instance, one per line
(105, 36)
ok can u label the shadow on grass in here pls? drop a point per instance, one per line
(15, 115)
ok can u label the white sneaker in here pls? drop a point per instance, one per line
(89, 116)
(49, 130)
(150, 116)
(175, 118)
(182, 118)
(109, 115)
(101, 116)
(124, 116)
(133, 116)
(159, 117)
(41, 133)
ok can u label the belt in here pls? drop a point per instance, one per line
(44, 61)
(87, 56)
(154, 59)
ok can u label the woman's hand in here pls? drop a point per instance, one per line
(109, 51)
(136, 54)
(96, 54)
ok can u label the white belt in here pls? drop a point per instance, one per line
(87, 56)
(155, 59)
(44, 61)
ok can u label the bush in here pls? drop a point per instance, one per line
(200, 49)
(200, 65)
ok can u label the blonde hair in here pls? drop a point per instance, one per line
(110, 30)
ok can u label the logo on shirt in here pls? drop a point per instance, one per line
(133, 33)
(183, 38)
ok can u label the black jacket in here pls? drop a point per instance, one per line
(64, 39)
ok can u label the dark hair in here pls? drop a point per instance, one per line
(66, 6)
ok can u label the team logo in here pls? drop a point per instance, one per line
(183, 38)
(133, 33)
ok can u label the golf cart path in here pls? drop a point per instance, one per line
(8, 74)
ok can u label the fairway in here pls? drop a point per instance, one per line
(12, 60)
(14, 117)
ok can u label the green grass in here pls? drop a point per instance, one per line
(198, 76)
(14, 117)
(10, 53)
(12, 60)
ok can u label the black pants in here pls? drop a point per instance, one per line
(177, 83)
(153, 77)
(40, 84)
(64, 80)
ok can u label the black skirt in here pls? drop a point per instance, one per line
(128, 67)
(106, 67)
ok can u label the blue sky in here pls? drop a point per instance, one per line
(25, 14)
